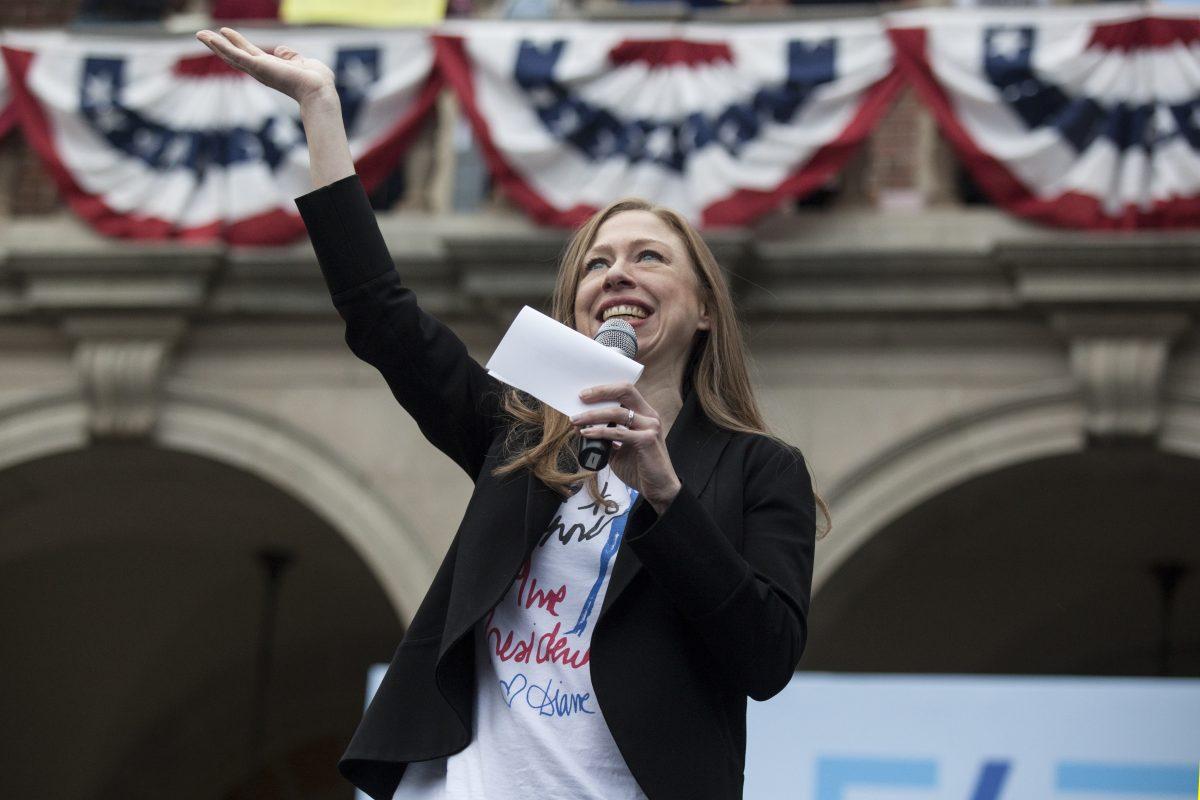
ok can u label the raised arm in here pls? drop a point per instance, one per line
(452, 398)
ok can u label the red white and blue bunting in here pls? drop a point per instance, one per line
(160, 139)
(719, 123)
(1086, 117)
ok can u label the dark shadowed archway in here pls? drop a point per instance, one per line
(132, 605)
(1043, 567)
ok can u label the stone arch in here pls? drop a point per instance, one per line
(1047, 420)
(135, 576)
(273, 450)
(1063, 574)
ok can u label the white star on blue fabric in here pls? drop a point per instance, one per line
(145, 142)
(566, 121)
(110, 119)
(1006, 43)
(729, 133)
(175, 151)
(355, 77)
(99, 90)
(252, 147)
(1161, 123)
(284, 133)
(658, 144)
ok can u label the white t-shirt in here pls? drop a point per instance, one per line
(538, 727)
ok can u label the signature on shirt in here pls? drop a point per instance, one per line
(546, 700)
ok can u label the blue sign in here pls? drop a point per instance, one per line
(889, 737)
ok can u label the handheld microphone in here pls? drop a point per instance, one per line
(619, 335)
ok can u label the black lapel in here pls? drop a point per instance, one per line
(540, 504)
(489, 548)
(694, 444)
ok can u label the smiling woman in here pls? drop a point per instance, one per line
(571, 641)
(635, 254)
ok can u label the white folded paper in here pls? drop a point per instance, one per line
(554, 363)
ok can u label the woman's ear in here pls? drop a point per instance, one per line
(705, 323)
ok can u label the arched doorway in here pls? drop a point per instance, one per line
(1040, 567)
(134, 607)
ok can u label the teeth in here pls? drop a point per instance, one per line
(631, 311)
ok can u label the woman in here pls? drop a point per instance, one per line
(587, 635)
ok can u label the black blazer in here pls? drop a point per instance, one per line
(707, 603)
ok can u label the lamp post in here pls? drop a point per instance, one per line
(1168, 574)
(273, 562)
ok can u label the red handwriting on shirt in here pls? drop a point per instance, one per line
(549, 646)
(535, 596)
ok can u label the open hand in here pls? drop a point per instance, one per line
(639, 453)
(284, 70)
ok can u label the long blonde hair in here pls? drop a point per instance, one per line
(543, 439)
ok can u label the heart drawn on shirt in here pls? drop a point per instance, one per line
(511, 689)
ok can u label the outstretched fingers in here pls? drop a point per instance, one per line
(242, 42)
(233, 56)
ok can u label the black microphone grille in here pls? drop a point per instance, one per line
(619, 334)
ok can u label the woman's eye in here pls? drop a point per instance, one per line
(595, 262)
(653, 254)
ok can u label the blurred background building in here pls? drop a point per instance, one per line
(213, 518)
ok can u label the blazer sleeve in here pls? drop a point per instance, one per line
(451, 397)
(750, 608)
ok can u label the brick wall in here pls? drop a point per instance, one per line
(37, 13)
(894, 147)
(25, 188)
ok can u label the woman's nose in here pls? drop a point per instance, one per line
(617, 275)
